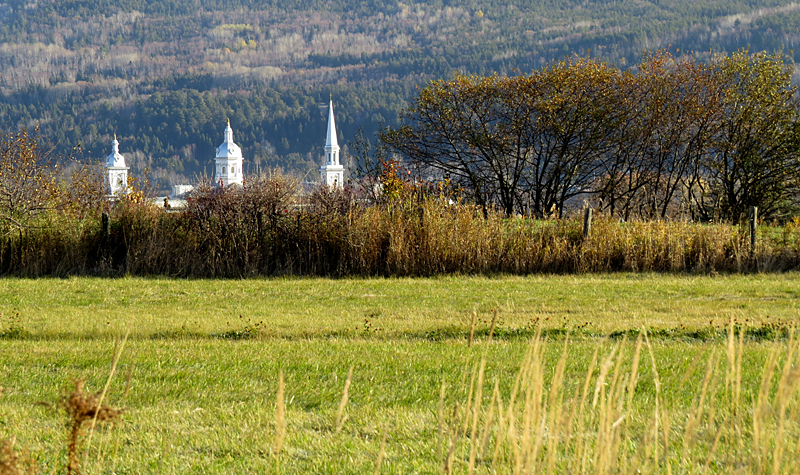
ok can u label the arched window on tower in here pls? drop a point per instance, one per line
(223, 170)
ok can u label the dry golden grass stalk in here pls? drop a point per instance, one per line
(713, 450)
(586, 429)
(531, 423)
(580, 448)
(737, 386)
(760, 432)
(519, 381)
(448, 463)
(696, 410)
(472, 329)
(81, 408)
(119, 345)
(117, 439)
(468, 410)
(786, 387)
(440, 418)
(491, 327)
(381, 452)
(657, 412)
(476, 408)
(280, 417)
(555, 402)
(487, 426)
(542, 430)
(501, 430)
(340, 417)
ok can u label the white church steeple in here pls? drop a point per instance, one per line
(331, 141)
(332, 172)
(228, 161)
(117, 178)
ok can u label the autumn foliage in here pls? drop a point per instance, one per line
(670, 137)
(498, 167)
(274, 227)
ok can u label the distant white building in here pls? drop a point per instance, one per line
(117, 172)
(228, 164)
(229, 161)
(179, 190)
(332, 173)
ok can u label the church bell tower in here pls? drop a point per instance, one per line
(332, 173)
(117, 172)
(228, 161)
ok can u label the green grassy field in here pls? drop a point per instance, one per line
(81, 308)
(205, 358)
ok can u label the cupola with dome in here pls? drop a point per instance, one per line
(117, 177)
(228, 161)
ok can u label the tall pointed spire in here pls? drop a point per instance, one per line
(331, 141)
(332, 173)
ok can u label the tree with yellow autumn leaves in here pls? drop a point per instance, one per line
(671, 135)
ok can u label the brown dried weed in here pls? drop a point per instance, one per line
(82, 407)
(13, 462)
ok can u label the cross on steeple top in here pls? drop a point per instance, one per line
(330, 140)
(229, 132)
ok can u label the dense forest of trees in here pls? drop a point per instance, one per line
(164, 74)
(174, 132)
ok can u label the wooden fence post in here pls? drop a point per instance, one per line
(106, 228)
(587, 223)
(753, 228)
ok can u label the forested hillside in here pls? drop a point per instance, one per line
(164, 75)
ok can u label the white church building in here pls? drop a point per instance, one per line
(332, 173)
(117, 179)
(228, 161)
(228, 164)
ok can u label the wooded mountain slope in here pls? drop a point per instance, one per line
(164, 75)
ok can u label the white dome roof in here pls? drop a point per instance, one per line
(115, 159)
(228, 149)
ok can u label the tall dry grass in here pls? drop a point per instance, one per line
(551, 424)
(270, 228)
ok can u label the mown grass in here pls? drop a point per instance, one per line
(203, 392)
(396, 308)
